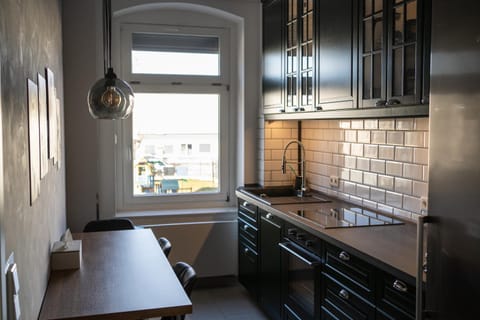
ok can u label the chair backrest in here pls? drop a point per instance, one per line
(165, 245)
(109, 225)
(186, 275)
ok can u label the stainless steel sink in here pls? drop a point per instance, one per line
(282, 195)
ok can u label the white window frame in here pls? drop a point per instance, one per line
(151, 83)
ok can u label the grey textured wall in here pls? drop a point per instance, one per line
(30, 40)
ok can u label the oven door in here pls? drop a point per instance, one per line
(301, 282)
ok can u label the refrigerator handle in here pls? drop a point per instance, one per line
(420, 267)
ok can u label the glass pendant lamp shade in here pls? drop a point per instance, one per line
(109, 98)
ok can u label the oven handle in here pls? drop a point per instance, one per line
(297, 251)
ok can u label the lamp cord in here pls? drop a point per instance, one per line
(107, 35)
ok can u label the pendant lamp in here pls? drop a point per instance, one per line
(110, 97)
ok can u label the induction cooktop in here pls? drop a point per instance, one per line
(327, 216)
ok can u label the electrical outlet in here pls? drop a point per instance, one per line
(424, 204)
(334, 181)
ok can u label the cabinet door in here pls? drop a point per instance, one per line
(336, 68)
(405, 52)
(270, 265)
(273, 57)
(373, 58)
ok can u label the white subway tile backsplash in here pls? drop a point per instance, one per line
(357, 124)
(356, 176)
(371, 124)
(421, 124)
(357, 149)
(351, 135)
(413, 171)
(371, 151)
(415, 139)
(382, 163)
(386, 152)
(377, 166)
(394, 168)
(363, 164)
(386, 124)
(363, 136)
(351, 162)
(363, 191)
(403, 186)
(420, 156)
(395, 137)
(394, 199)
(349, 187)
(404, 154)
(370, 179)
(338, 160)
(377, 195)
(420, 189)
(412, 204)
(378, 137)
(344, 147)
(385, 182)
(405, 124)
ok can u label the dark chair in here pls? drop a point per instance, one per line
(109, 225)
(187, 277)
(165, 245)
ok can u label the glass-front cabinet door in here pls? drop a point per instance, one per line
(299, 55)
(391, 52)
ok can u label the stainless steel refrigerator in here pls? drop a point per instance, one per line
(453, 277)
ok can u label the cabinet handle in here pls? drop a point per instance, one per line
(393, 102)
(292, 232)
(344, 256)
(319, 108)
(245, 227)
(269, 216)
(282, 110)
(380, 103)
(400, 286)
(246, 250)
(245, 204)
(344, 294)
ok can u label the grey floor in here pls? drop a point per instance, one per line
(230, 302)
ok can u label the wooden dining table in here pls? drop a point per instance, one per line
(123, 275)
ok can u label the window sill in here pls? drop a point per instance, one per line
(180, 212)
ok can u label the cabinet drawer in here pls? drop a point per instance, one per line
(248, 268)
(357, 274)
(340, 302)
(248, 212)
(395, 297)
(248, 232)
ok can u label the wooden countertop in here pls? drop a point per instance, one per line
(392, 248)
(123, 275)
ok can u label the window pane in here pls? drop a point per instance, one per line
(410, 70)
(367, 36)
(397, 72)
(377, 76)
(398, 25)
(367, 77)
(175, 143)
(378, 33)
(411, 23)
(175, 54)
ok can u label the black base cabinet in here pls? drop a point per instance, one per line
(347, 287)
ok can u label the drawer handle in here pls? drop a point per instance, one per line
(400, 286)
(246, 250)
(344, 294)
(269, 216)
(245, 204)
(245, 227)
(344, 256)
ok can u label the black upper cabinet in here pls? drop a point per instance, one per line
(273, 74)
(336, 63)
(392, 56)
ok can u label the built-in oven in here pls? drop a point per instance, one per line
(301, 272)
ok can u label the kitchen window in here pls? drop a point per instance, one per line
(180, 79)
